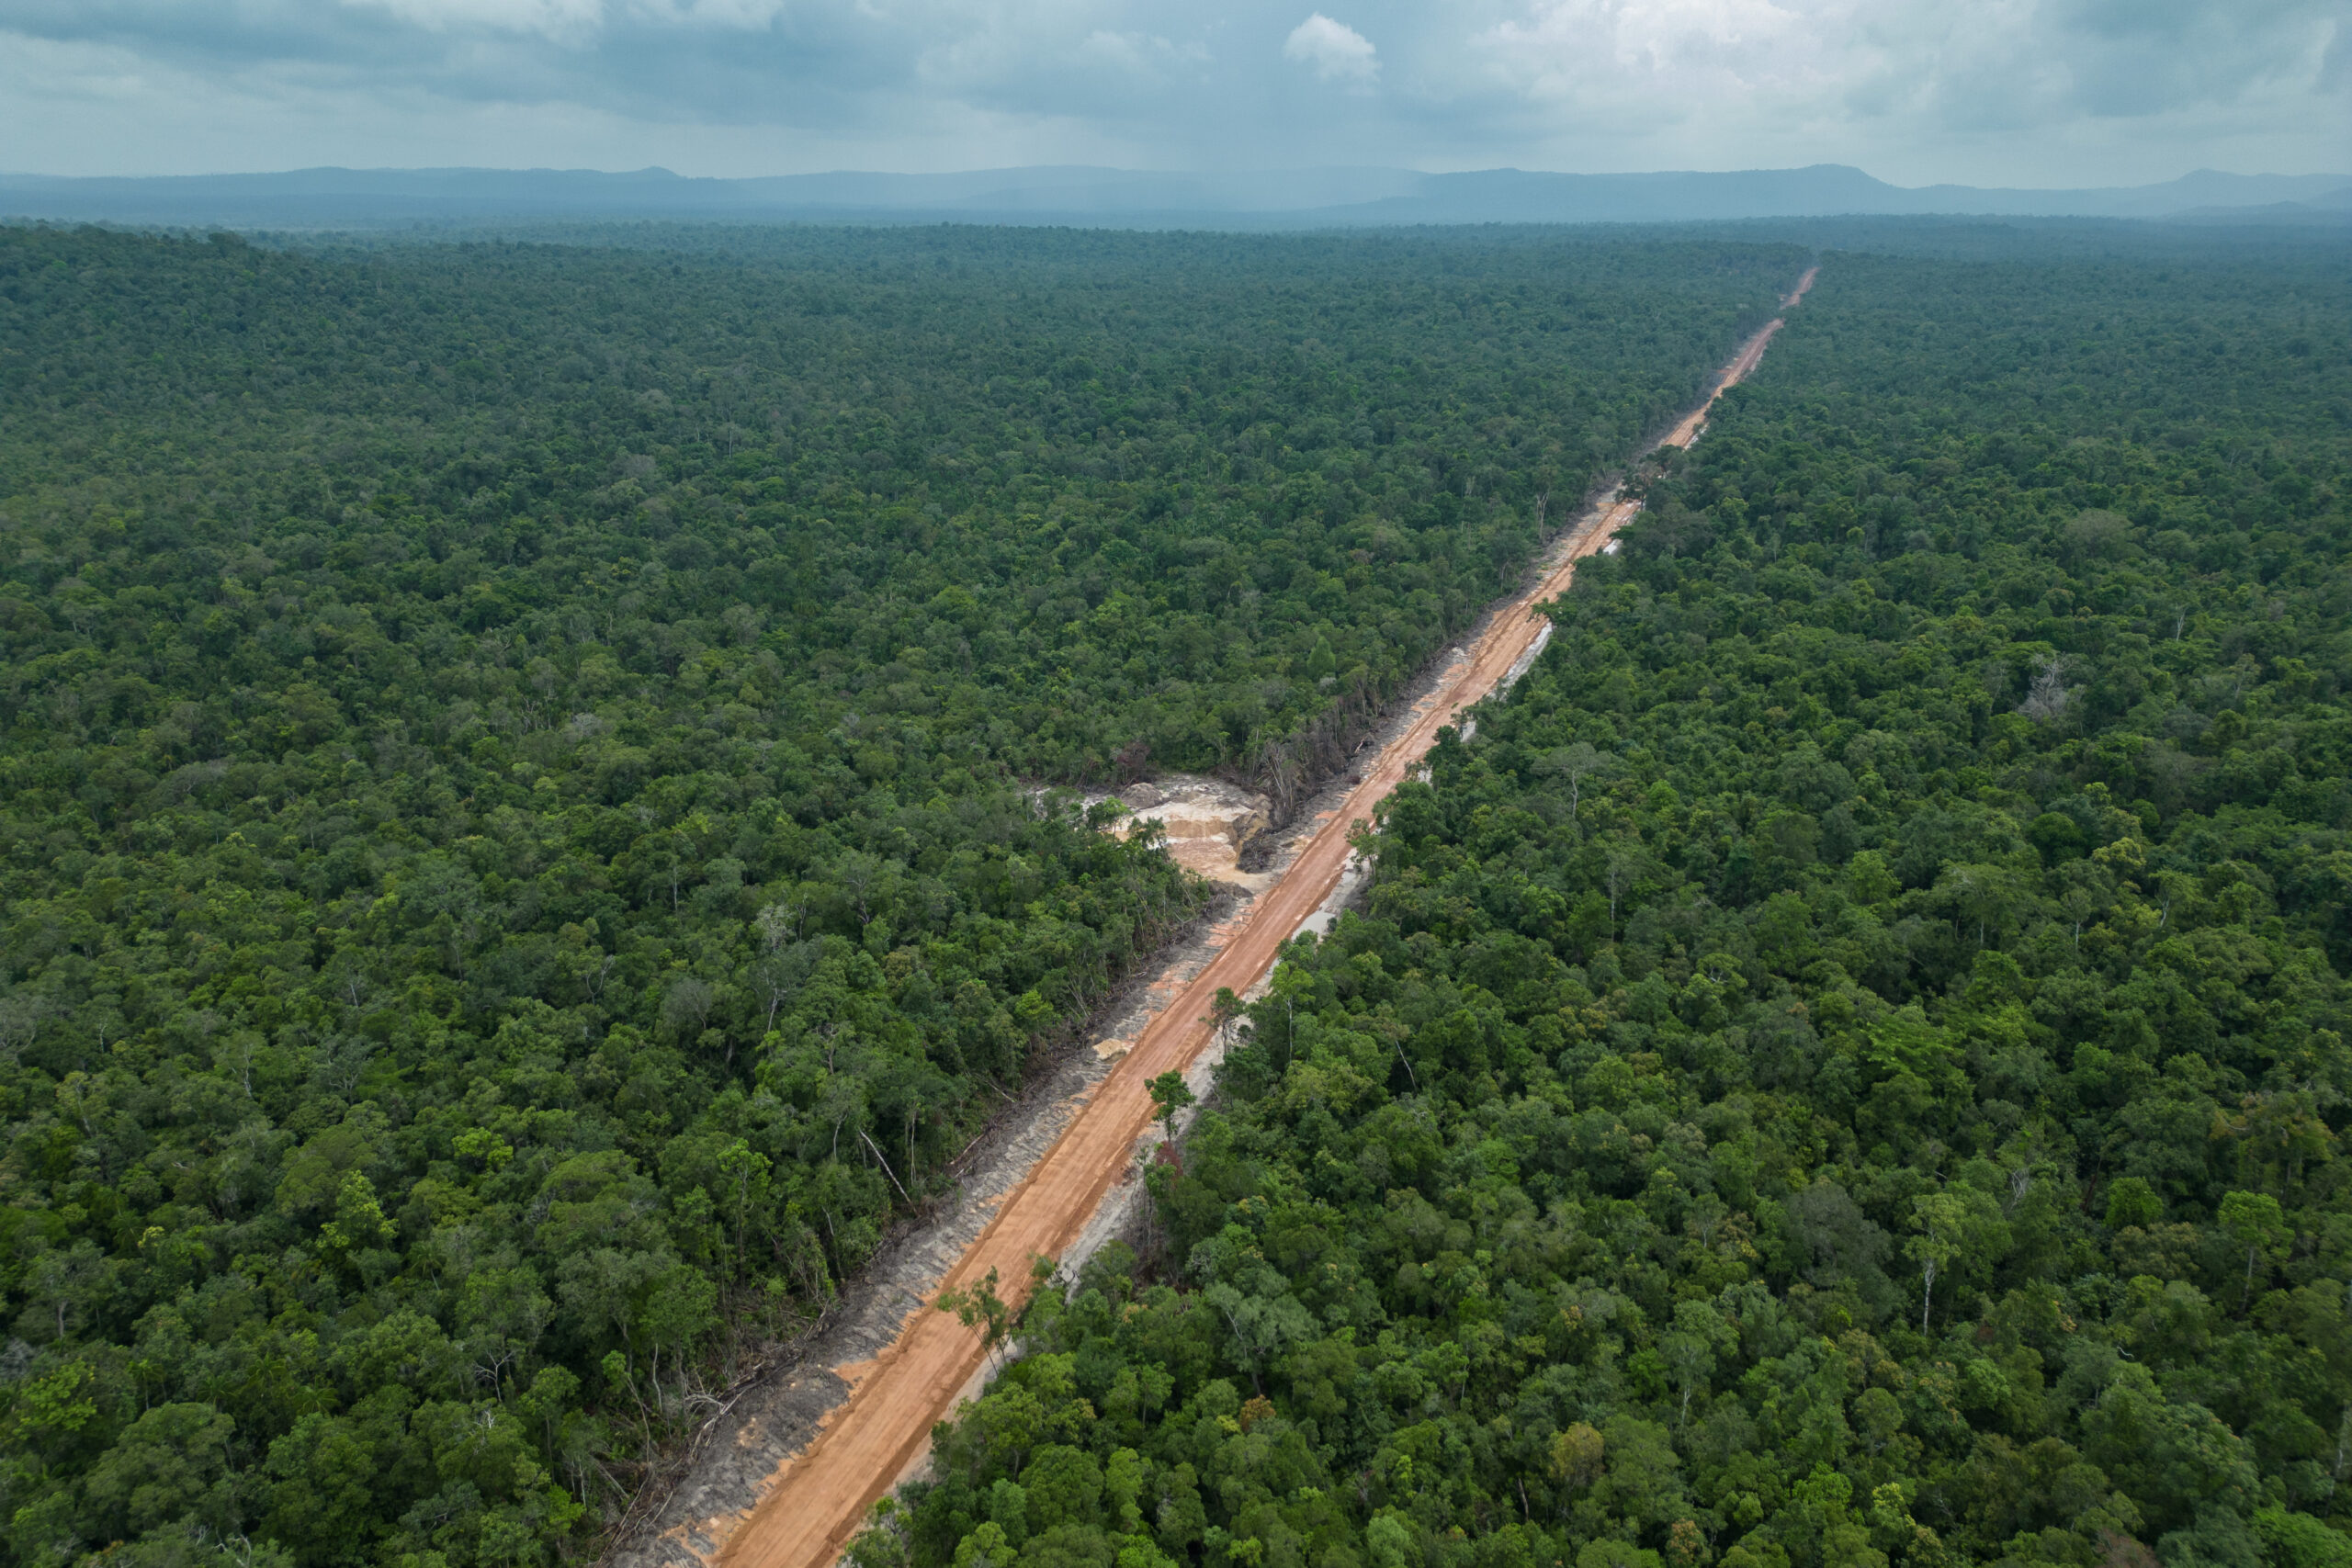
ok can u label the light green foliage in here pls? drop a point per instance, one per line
(979, 1309)
(2299, 1540)
(1168, 1096)
(2256, 1221)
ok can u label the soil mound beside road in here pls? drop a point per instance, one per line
(1209, 824)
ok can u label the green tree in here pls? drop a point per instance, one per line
(1958, 1225)
(2255, 1221)
(172, 1463)
(979, 1308)
(1168, 1096)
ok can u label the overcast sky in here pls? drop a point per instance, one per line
(1986, 91)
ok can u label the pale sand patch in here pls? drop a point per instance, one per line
(1208, 823)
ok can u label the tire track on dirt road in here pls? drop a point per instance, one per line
(816, 1500)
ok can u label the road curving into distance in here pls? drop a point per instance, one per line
(816, 1500)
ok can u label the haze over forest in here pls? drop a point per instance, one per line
(1354, 198)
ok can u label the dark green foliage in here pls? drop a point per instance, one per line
(1057, 496)
(1846, 1065)
(514, 847)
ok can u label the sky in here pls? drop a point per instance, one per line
(2043, 93)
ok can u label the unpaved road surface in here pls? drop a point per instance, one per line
(817, 1499)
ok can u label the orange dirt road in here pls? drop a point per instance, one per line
(820, 1497)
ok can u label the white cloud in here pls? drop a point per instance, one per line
(1337, 51)
(1608, 50)
(1127, 52)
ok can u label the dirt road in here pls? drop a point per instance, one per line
(820, 1498)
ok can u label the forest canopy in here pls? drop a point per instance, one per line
(522, 827)
(1843, 1067)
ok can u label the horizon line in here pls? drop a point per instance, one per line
(662, 169)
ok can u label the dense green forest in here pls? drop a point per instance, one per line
(1843, 1067)
(518, 847)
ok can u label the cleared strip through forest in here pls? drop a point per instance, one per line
(816, 1500)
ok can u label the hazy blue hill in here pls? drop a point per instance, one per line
(1078, 194)
(1489, 194)
(1822, 190)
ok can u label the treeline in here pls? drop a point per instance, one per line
(517, 851)
(1846, 1067)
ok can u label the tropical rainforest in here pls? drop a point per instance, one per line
(530, 820)
(1843, 1067)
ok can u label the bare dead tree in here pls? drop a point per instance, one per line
(2047, 694)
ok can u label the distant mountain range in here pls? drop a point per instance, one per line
(370, 199)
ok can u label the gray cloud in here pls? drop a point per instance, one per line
(2044, 92)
